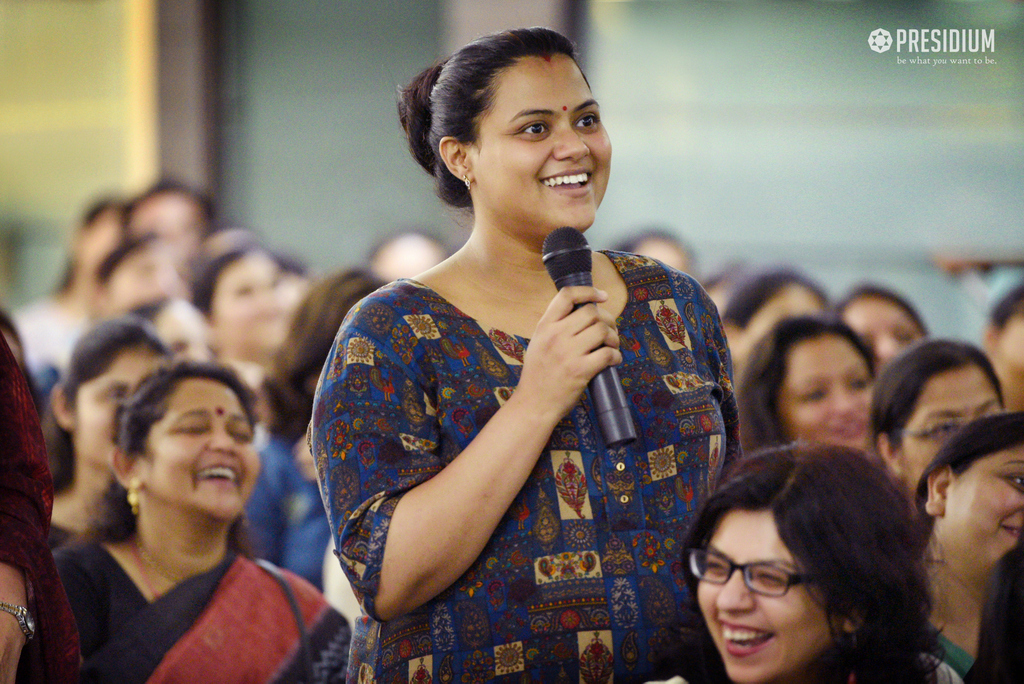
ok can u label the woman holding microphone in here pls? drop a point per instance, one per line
(487, 529)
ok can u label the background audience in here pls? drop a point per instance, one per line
(181, 327)
(1004, 343)
(237, 292)
(286, 513)
(663, 245)
(181, 216)
(927, 394)
(106, 365)
(808, 379)
(406, 254)
(50, 326)
(760, 298)
(973, 492)
(140, 271)
(887, 322)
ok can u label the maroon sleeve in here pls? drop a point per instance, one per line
(26, 498)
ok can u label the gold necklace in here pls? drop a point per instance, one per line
(142, 554)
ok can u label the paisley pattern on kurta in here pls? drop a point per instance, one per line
(583, 577)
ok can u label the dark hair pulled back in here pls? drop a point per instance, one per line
(448, 98)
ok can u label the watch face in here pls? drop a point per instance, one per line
(31, 622)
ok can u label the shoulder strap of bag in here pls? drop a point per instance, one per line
(307, 654)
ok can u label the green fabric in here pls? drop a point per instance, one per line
(957, 658)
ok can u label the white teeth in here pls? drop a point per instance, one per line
(217, 472)
(740, 634)
(563, 180)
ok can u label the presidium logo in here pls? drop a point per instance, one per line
(880, 40)
(934, 40)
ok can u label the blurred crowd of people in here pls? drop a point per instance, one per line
(166, 328)
(151, 285)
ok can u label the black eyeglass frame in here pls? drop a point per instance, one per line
(746, 569)
(935, 433)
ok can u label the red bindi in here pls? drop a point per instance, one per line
(547, 58)
(219, 411)
(564, 108)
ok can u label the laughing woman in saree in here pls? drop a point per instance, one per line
(166, 592)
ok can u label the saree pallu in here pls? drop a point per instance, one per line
(245, 632)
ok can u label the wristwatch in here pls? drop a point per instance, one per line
(24, 618)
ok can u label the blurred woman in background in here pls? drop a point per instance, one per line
(808, 379)
(760, 298)
(106, 365)
(923, 397)
(887, 322)
(237, 291)
(286, 513)
(50, 327)
(181, 327)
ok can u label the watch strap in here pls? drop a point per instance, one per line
(23, 617)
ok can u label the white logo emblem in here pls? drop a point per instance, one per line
(880, 40)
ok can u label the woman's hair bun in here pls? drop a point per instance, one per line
(415, 116)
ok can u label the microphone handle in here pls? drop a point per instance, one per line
(605, 388)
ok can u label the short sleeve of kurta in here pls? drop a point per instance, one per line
(375, 433)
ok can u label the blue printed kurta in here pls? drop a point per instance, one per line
(583, 576)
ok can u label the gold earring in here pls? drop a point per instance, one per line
(467, 182)
(133, 495)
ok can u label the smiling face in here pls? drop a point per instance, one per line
(200, 460)
(762, 639)
(978, 513)
(826, 394)
(542, 157)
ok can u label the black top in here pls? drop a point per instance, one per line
(112, 613)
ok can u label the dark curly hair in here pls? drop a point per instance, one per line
(852, 531)
(448, 98)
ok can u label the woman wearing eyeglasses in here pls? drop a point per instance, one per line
(804, 567)
(923, 397)
(973, 493)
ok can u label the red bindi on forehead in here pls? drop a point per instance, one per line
(219, 411)
(564, 108)
(546, 57)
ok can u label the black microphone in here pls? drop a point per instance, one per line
(567, 258)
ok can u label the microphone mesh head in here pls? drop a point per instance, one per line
(566, 252)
